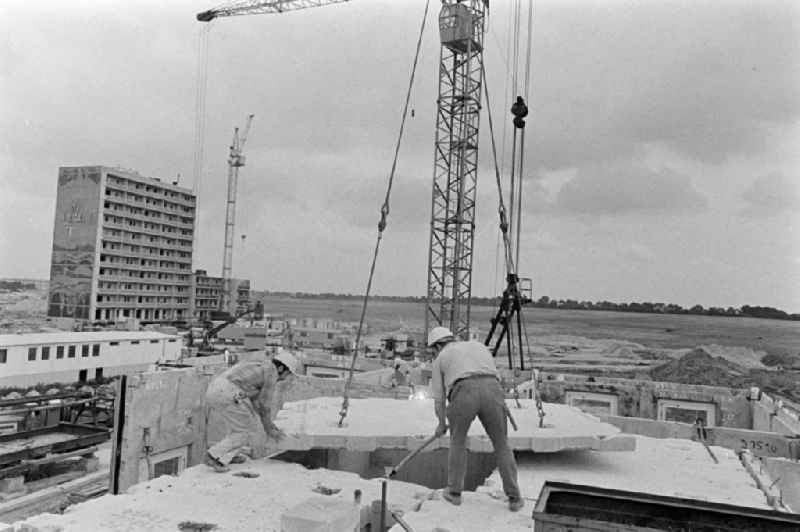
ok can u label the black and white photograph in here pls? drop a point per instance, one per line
(399, 265)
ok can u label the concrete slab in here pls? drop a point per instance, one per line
(669, 467)
(233, 503)
(392, 423)
(478, 513)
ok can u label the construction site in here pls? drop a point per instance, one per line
(106, 422)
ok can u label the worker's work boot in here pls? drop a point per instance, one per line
(452, 498)
(215, 464)
(515, 505)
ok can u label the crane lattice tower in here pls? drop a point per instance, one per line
(461, 28)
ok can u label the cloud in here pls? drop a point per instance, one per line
(706, 79)
(613, 189)
(772, 193)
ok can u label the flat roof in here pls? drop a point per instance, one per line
(272, 488)
(67, 337)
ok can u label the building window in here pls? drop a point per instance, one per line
(134, 342)
(113, 343)
(31, 353)
(96, 350)
(153, 341)
(85, 350)
(71, 352)
(98, 374)
(45, 352)
(60, 351)
(3, 356)
(171, 340)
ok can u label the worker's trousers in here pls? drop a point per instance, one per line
(233, 426)
(480, 396)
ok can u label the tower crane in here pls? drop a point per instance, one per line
(257, 7)
(450, 254)
(461, 28)
(236, 160)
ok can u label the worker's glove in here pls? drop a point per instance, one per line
(441, 430)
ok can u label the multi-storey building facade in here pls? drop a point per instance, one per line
(207, 292)
(122, 247)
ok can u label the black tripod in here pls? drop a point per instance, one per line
(510, 306)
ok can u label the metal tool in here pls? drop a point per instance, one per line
(511, 418)
(393, 471)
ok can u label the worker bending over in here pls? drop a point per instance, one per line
(465, 384)
(238, 410)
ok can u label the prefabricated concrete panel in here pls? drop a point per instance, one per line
(770, 416)
(377, 423)
(687, 411)
(164, 413)
(593, 402)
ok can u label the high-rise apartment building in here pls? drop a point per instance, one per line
(122, 247)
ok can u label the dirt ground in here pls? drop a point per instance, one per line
(689, 349)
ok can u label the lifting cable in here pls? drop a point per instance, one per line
(509, 255)
(382, 224)
(200, 121)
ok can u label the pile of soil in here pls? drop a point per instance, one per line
(699, 367)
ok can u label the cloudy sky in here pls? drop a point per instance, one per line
(661, 164)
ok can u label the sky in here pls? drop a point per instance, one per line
(661, 161)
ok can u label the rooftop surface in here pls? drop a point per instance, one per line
(390, 423)
(7, 340)
(235, 503)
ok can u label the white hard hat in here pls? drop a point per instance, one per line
(438, 334)
(288, 360)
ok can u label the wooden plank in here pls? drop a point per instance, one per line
(119, 422)
(52, 499)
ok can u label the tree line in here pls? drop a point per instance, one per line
(546, 302)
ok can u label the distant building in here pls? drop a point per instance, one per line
(207, 294)
(28, 359)
(122, 247)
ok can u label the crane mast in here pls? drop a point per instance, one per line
(461, 28)
(255, 7)
(236, 160)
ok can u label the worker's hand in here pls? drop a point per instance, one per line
(441, 430)
(276, 434)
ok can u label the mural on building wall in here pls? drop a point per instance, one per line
(74, 236)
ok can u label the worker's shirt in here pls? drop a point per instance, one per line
(456, 361)
(254, 378)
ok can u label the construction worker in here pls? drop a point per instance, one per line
(465, 384)
(239, 410)
(400, 374)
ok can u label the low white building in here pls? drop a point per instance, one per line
(28, 359)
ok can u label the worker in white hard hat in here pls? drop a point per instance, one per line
(400, 373)
(464, 385)
(239, 409)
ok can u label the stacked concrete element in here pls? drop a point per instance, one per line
(122, 246)
(377, 423)
(162, 423)
(666, 401)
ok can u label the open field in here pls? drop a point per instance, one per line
(653, 330)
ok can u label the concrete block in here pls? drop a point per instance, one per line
(321, 514)
(25, 527)
(12, 484)
(89, 464)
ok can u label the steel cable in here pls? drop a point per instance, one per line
(382, 223)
